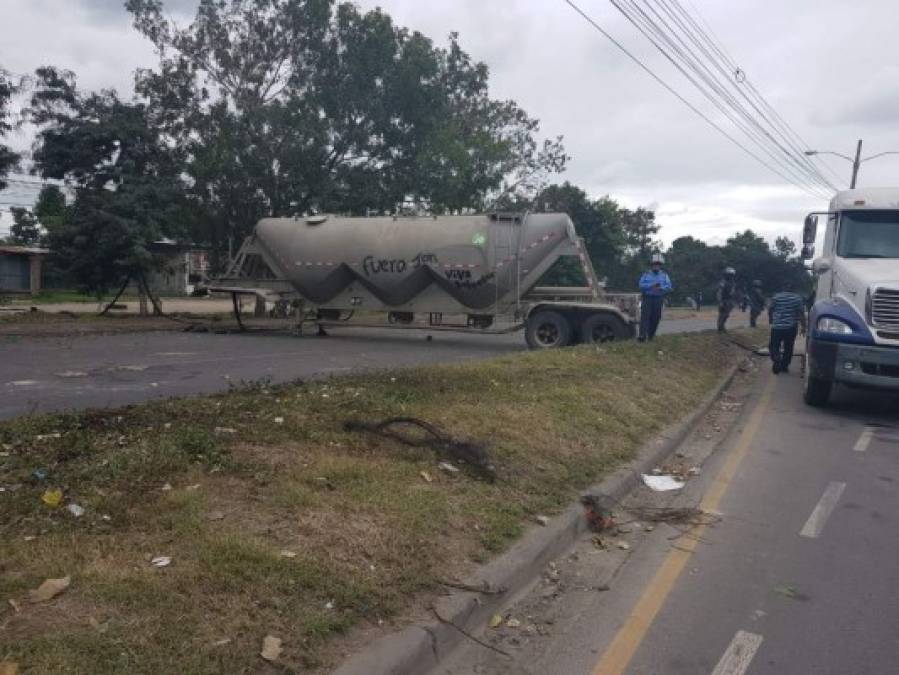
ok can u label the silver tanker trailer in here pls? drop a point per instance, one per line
(475, 273)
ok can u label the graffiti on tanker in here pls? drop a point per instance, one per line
(463, 279)
(424, 259)
(458, 275)
(372, 265)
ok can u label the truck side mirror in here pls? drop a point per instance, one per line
(808, 251)
(810, 230)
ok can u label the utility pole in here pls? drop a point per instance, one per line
(856, 163)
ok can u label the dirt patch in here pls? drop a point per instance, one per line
(279, 521)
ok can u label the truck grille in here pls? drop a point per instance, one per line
(881, 369)
(885, 308)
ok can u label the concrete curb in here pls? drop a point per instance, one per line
(418, 649)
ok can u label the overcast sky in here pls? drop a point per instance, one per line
(829, 67)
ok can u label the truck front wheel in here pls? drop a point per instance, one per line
(817, 391)
(598, 328)
(545, 330)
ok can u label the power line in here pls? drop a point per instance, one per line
(734, 76)
(681, 98)
(705, 31)
(707, 83)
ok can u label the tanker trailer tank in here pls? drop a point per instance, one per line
(482, 267)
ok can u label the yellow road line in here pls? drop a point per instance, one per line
(616, 658)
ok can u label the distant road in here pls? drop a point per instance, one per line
(46, 374)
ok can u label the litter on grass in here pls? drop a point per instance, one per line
(598, 511)
(449, 468)
(662, 483)
(75, 510)
(52, 497)
(271, 648)
(50, 589)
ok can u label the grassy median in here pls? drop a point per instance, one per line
(279, 522)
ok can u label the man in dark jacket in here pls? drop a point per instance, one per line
(727, 297)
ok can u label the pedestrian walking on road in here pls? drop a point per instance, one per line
(727, 296)
(787, 316)
(756, 300)
(654, 285)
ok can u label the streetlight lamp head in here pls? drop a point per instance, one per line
(811, 152)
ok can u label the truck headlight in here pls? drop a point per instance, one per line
(828, 324)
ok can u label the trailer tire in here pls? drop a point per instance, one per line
(547, 330)
(816, 391)
(599, 328)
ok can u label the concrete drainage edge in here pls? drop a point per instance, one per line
(419, 648)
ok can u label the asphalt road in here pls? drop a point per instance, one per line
(805, 563)
(796, 573)
(47, 374)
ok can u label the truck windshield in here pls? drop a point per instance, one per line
(869, 234)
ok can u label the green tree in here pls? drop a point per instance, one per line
(9, 160)
(640, 229)
(695, 268)
(785, 247)
(50, 207)
(25, 230)
(751, 256)
(748, 242)
(293, 106)
(597, 222)
(127, 186)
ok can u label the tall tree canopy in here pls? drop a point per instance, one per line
(696, 267)
(126, 180)
(25, 230)
(785, 247)
(8, 159)
(50, 208)
(287, 106)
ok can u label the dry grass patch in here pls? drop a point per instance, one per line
(292, 526)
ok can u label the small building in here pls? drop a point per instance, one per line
(20, 269)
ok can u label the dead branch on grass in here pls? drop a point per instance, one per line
(470, 453)
(469, 635)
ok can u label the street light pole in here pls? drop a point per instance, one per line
(856, 164)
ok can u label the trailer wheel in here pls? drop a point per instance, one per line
(598, 328)
(816, 391)
(546, 330)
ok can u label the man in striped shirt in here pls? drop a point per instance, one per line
(786, 313)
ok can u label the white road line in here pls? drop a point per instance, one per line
(864, 440)
(825, 507)
(739, 654)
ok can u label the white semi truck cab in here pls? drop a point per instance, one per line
(853, 335)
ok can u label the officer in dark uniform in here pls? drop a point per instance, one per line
(727, 297)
